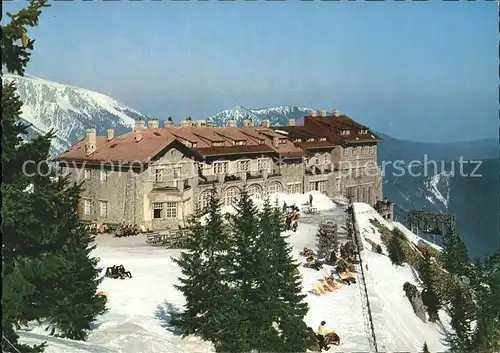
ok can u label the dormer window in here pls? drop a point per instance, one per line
(311, 139)
(345, 132)
(261, 142)
(240, 143)
(363, 131)
(297, 140)
(282, 141)
(194, 144)
(322, 138)
(217, 143)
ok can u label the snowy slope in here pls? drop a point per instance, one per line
(69, 110)
(276, 115)
(138, 317)
(397, 328)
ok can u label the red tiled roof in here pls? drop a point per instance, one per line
(122, 148)
(226, 150)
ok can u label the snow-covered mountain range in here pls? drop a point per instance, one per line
(276, 115)
(69, 110)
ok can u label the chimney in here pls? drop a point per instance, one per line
(266, 123)
(275, 142)
(313, 113)
(336, 113)
(186, 123)
(153, 124)
(111, 134)
(231, 123)
(90, 144)
(139, 134)
(246, 123)
(323, 113)
(139, 124)
(291, 122)
(168, 124)
(210, 123)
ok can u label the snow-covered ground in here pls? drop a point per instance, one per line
(137, 320)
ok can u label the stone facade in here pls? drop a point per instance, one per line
(163, 192)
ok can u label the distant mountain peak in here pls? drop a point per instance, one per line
(69, 110)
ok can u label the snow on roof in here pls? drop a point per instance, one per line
(281, 132)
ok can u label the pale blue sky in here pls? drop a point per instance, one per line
(424, 71)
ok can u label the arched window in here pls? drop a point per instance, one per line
(204, 199)
(231, 195)
(255, 191)
(274, 188)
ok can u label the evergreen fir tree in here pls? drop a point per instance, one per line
(425, 349)
(47, 270)
(487, 332)
(395, 250)
(462, 312)
(247, 273)
(205, 282)
(428, 275)
(454, 255)
(279, 287)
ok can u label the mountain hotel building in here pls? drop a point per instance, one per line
(156, 176)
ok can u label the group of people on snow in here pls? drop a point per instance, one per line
(116, 272)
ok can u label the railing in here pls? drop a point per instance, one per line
(363, 288)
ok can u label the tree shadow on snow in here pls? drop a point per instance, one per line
(163, 314)
(445, 334)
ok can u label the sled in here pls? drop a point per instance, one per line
(318, 289)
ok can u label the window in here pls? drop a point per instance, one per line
(218, 143)
(338, 180)
(104, 175)
(262, 164)
(158, 175)
(282, 141)
(220, 167)
(293, 188)
(87, 207)
(261, 142)
(157, 210)
(322, 138)
(274, 188)
(311, 139)
(204, 199)
(346, 132)
(170, 210)
(177, 173)
(103, 208)
(87, 174)
(355, 151)
(346, 151)
(372, 150)
(243, 166)
(363, 131)
(254, 190)
(298, 140)
(364, 150)
(230, 196)
(240, 143)
(194, 144)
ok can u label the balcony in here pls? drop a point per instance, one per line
(228, 177)
(208, 180)
(171, 185)
(255, 175)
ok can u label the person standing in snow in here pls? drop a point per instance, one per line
(284, 207)
(321, 336)
(310, 200)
